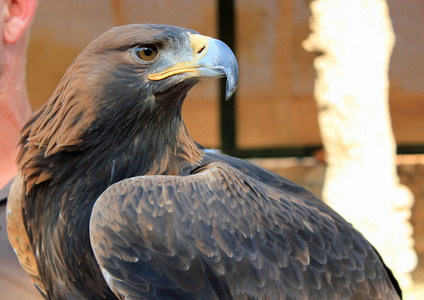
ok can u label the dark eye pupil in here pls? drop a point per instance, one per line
(148, 51)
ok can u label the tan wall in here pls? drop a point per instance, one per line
(275, 105)
(407, 72)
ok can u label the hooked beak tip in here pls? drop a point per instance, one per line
(221, 57)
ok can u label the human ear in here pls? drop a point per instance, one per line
(17, 15)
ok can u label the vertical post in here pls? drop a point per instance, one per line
(356, 40)
(226, 31)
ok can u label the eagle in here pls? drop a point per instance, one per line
(115, 200)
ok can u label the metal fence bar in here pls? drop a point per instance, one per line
(226, 31)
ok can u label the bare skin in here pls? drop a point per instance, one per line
(15, 109)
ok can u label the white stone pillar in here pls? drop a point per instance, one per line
(355, 39)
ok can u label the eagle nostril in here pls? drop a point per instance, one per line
(201, 49)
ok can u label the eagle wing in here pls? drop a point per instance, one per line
(221, 234)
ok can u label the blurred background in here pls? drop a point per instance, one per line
(274, 114)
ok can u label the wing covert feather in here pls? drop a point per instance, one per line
(220, 234)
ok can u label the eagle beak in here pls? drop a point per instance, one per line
(211, 59)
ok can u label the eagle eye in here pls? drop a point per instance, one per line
(146, 52)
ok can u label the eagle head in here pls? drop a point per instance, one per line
(125, 91)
